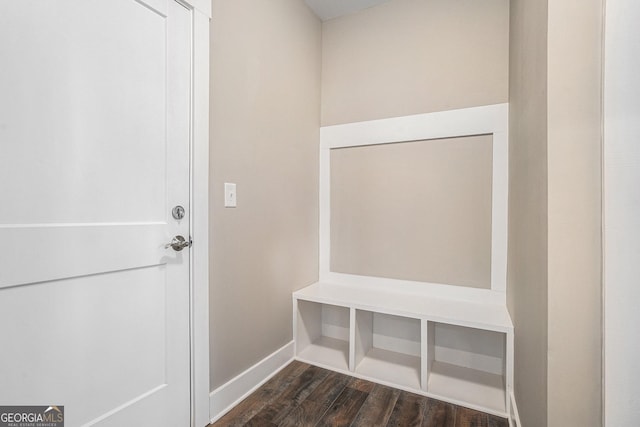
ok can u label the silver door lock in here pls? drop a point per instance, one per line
(178, 212)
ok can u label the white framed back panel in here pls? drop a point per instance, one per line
(490, 119)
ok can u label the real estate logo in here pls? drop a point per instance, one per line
(32, 416)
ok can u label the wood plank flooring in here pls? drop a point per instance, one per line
(305, 395)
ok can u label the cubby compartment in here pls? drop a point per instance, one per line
(467, 365)
(322, 335)
(388, 348)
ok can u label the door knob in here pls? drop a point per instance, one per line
(178, 243)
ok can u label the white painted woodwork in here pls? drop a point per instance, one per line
(491, 119)
(228, 395)
(468, 364)
(95, 135)
(326, 352)
(451, 342)
(428, 351)
(363, 336)
(389, 348)
(460, 293)
(492, 317)
(455, 350)
(514, 419)
(621, 213)
(391, 367)
(312, 345)
(471, 348)
(454, 383)
(199, 218)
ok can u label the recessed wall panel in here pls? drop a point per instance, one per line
(415, 211)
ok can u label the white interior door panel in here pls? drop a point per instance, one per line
(94, 153)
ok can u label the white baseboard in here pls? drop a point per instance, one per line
(514, 417)
(225, 397)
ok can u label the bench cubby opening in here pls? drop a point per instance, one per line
(466, 364)
(322, 334)
(388, 348)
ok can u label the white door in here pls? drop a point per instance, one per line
(621, 250)
(94, 154)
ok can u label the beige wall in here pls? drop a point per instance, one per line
(265, 98)
(416, 211)
(574, 152)
(554, 286)
(414, 56)
(527, 256)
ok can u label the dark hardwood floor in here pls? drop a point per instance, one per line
(305, 395)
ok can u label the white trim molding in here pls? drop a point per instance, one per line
(490, 119)
(199, 212)
(203, 7)
(621, 214)
(228, 395)
(514, 417)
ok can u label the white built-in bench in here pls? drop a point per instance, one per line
(450, 342)
(453, 350)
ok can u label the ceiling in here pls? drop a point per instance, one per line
(329, 9)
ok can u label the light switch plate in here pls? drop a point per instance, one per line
(230, 195)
